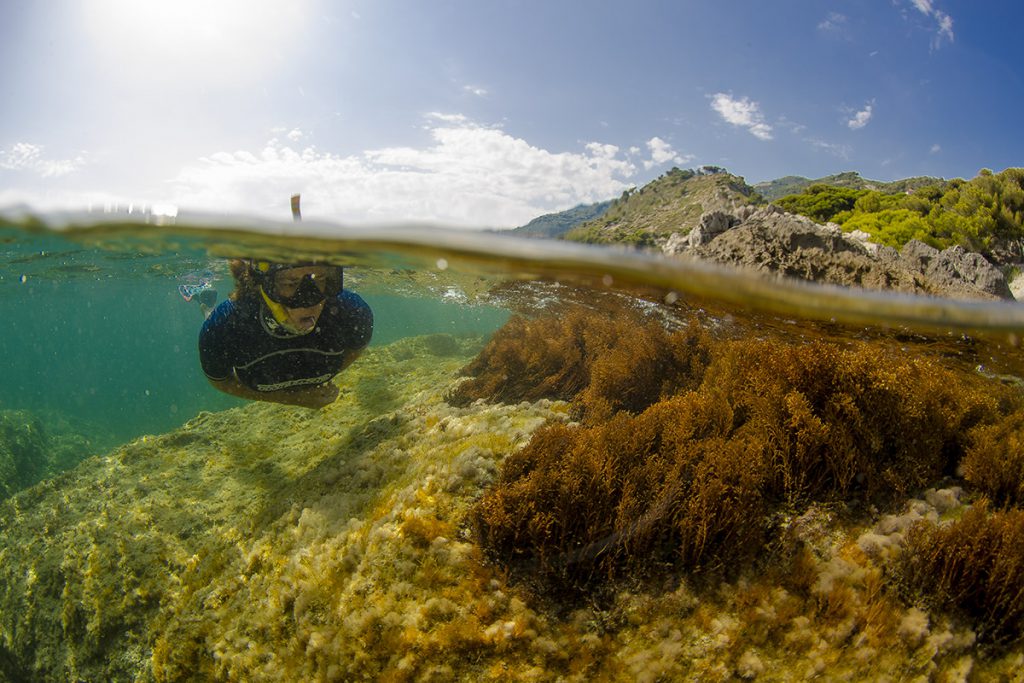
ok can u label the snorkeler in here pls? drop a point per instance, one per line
(284, 333)
(198, 286)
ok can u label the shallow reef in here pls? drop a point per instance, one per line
(675, 504)
(31, 451)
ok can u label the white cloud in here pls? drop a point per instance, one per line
(861, 118)
(467, 176)
(662, 153)
(742, 112)
(834, 22)
(295, 135)
(475, 90)
(936, 148)
(793, 126)
(24, 156)
(601, 150)
(838, 150)
(943, 22)
(457, 119)
(945, 27)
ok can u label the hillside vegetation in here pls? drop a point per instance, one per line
(553, 225)
(672, 203)
(791, 184)
(985, 214)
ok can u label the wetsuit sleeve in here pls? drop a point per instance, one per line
(357, 320)
(215, 342)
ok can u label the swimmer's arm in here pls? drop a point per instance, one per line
(307, 397)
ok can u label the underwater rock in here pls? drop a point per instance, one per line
(25, 457)
(272, 543)
(30, 452)
(247, 542)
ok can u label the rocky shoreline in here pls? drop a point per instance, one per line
(769, 240)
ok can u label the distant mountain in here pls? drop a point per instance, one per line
(554, 225)
(791, 184)
(672, 203)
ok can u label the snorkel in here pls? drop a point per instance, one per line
(264, 272)
(276, 310)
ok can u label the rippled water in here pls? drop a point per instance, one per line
(99, 348)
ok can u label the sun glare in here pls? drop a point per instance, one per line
(209, 40)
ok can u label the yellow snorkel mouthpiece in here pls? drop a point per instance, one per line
(276, 309)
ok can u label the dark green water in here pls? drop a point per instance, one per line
(103, 341)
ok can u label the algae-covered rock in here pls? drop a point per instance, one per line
(273, 543)
(24, 456)
(30, 452)
(247, 541)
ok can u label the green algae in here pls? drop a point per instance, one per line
(31, 452)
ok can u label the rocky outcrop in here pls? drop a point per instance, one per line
(956, 268)
(770, 240)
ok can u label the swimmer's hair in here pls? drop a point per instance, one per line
(246, 286)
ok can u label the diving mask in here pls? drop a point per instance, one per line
(298, 285)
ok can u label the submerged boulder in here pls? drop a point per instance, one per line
(32, 449)
(24, 456)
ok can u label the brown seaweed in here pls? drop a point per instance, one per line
(689, 467)
(604, 361)
(975, 566)
(995, 460)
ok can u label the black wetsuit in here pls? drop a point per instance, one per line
(244, 340)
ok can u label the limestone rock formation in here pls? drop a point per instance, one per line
(770, 240)
(956, 268)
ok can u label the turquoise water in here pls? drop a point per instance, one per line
(103, 340)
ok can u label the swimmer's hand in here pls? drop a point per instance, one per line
(307, 397)
(313, 397)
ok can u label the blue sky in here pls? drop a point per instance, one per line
(486, 114)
